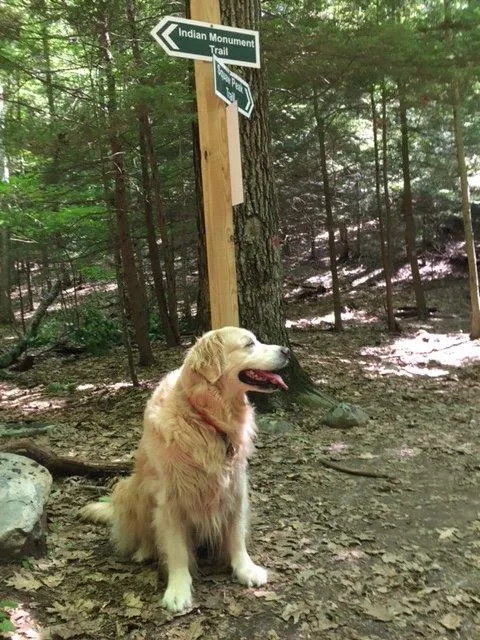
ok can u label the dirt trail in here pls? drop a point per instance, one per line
(349, 558)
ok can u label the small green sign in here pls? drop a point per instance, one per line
(232, 88)
(201, 41)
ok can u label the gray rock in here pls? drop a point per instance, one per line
(271, 424)
(24, 490)
(344, 416)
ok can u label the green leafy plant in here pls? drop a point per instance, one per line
(60, 389)
(96, 332)
(5, 625)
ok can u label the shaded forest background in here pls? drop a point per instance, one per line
(100, 202)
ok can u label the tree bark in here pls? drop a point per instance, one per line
(136, 295)
(151, 182)
(388, 209)
(259, 269)
(467, 216)
(29, 285)
(321, 127)
(381, 222)
(407, 206)
(6, 311)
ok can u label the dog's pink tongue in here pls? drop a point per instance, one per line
(274, 378)
(278, 379)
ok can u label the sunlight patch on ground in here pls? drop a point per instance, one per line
(114, 386)
(353, 315)
(422, 354)
(431, 269)
(27, 400)
(25, 625)
(366, 277)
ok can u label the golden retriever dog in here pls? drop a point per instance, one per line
(189, 484)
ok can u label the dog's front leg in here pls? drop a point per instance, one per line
(244, 569)
(173, 546)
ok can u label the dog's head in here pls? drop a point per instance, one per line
(235, 357)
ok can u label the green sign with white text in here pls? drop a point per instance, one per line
(232, 88)
(201, 41)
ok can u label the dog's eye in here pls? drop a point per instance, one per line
(250, 344)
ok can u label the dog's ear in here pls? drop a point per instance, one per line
(207, 357)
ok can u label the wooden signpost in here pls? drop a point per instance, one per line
(195, 39)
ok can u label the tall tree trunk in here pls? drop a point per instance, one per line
(28, 271)
(151, 182)
(467, 216)
(358, 219)
(202, 320)
(6, 313)
(121, 298)
(386, 189)
(320, 126)
(138, 301)
(259, 268)
(381, 222)
(407, 206)
(20, 296)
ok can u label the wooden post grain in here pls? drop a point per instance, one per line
(217, 196)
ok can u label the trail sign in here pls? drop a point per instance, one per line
(201, 41)
(232, 88)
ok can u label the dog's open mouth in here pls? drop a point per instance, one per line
(262, 379)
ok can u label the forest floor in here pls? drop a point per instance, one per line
(350, 558)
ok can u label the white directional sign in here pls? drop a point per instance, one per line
(232, 88)
(201, 41)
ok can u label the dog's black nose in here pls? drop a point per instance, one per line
(285, 351)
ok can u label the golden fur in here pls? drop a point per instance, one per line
(189, 484)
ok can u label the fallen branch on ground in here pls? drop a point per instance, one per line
(16, 351)
(61, 466)
(353, 472)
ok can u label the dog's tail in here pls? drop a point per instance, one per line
(97, 512)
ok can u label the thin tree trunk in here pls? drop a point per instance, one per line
(20, 297)
(167, 310)
(135, 293)
(358, 216)
(381, 223)
(121, 305)
(467, 216)
(6, 312)
(407, 206)
(386, 192)
(344, 243)
(320, 126)
(29, 285)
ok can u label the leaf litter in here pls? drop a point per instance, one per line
(350, 558)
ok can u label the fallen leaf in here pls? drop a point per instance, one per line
(451, 621)
(378, 611)
(133, 604)
(24, 581)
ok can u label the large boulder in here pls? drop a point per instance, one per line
(24, 490)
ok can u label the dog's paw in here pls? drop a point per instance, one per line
(177, 598)
(251, 575)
